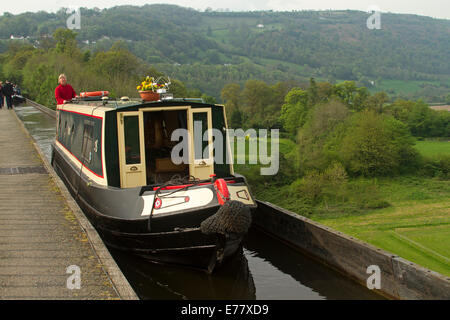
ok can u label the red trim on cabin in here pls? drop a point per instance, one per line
(101, 141)
(181, 186)
(188, 185)
(83, 114)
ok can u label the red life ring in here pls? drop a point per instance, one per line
(223, 194)
(94, 94)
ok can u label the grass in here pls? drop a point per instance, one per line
(415, 225)
(285, 145)
(401, 86)
(433, 148)
(417, 230)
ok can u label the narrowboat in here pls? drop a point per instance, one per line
(116, 158)
(17, 99)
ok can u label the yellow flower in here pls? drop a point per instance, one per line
(149, 83)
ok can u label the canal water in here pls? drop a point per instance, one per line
(266, 269)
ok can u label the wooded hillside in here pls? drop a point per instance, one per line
(408, 58)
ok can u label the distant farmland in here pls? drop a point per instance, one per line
(439, 108)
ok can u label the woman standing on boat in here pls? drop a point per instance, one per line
(64, 92)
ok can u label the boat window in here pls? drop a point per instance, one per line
(82, 137)
(132, 141)
(201, 147)
(59, 122)
(73, 134)
(87, 141)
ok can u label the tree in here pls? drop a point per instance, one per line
(324, 91)
(66, 42)
(322, 121)
(46, 43)
(194, 93)
(377, 145)
(360, 99)
(421, 120)
(294, 111)
(116, 63)
(256, 96)
(208, 99)
(377, 101)
(346, 91)
(116, 70)
(231, 95)
(313, 94)
(236, 119)
(178, 89)
(16, 62)
(86, 56)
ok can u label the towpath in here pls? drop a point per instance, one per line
(44, 251)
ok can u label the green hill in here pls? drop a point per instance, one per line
(407, 58)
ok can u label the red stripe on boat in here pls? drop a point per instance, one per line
(187, 185)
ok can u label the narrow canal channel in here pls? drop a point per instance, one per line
(267, 269)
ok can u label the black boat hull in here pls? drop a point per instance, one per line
(189, 248)
(172, 239)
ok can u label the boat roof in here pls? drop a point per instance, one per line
(135, 104)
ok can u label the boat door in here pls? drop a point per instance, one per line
(201, 163)
(131, 149)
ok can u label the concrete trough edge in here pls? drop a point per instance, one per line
(120, 283)
(400, 278)
(48, 111)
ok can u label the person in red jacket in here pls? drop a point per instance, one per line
(64, 92)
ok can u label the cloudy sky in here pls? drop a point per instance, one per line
(432, 8)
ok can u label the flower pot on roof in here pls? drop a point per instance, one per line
(148, 95)
(150, 89)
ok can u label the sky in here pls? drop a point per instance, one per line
(432, 8)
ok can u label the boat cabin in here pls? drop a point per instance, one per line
(128, 144)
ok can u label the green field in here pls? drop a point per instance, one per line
(415, 225)
(434, 149)
(401, 86)
(285, 145)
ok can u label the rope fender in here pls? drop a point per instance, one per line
(232, 217)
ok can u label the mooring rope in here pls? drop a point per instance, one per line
(176, 180)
